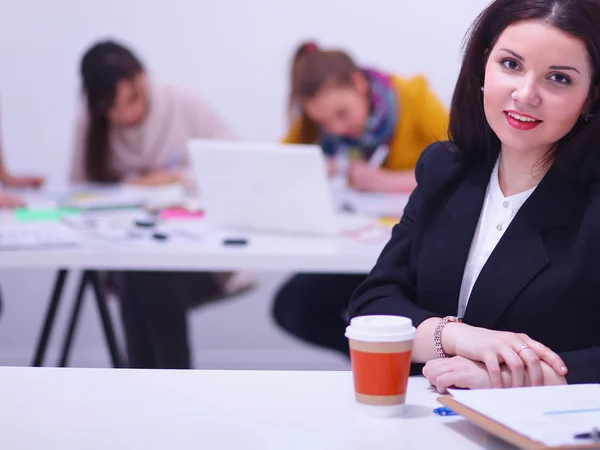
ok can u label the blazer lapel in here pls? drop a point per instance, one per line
(448, 241)
(521, 252)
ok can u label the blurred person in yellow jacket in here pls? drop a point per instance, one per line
(353, 111)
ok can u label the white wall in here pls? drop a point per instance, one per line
(236, 53)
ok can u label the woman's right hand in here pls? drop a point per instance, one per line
(158, 178)
(21, 182)
(517, 351)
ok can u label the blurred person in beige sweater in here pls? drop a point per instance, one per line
(134, 129)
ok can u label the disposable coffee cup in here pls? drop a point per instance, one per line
(380, 351)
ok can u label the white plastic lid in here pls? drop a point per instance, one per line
(381, 329)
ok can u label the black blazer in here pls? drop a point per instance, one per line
(542, 278)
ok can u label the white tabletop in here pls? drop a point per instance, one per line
(207, 252)
(104, 248)
(74, 409)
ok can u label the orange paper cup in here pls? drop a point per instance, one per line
(380, 350)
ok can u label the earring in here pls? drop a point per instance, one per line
(588, 117)
(481, 88)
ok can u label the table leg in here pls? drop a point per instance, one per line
(59, 283)
(73, 321)
(107, 326)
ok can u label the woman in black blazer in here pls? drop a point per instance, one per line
(497, 256)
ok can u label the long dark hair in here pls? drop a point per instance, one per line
(102, 67)
(578, 153)
(313, 69)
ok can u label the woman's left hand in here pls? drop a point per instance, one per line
(458, 372)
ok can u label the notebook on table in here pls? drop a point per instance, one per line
(559, 417)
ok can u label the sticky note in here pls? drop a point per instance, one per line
(389, 221)
(179, 214)
(42, 215)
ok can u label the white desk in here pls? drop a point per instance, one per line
(348, 253)
(74, 409)
(264, 252)
(206, 253)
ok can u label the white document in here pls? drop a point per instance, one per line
(37, 235)
(371, 204)
(108, 197)
(552, 415)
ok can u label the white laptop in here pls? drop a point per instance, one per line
(264, 186)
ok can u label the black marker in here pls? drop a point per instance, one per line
(235, 241)
(145, 223)
(594, 435)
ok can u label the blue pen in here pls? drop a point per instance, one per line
(444, 411)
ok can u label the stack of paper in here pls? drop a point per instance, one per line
(125, 196)
(552, 415)
(372, 204)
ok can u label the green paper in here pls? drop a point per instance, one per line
(42, 215)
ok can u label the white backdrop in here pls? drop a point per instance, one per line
(236, 53)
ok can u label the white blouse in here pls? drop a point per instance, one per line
(496, 215)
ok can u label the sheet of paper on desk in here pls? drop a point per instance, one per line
(37, 235)
(158, 197)
(104, 200)
(552, 415)
(374, 204)
(124, 196)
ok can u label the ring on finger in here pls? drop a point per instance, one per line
(523, 347)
